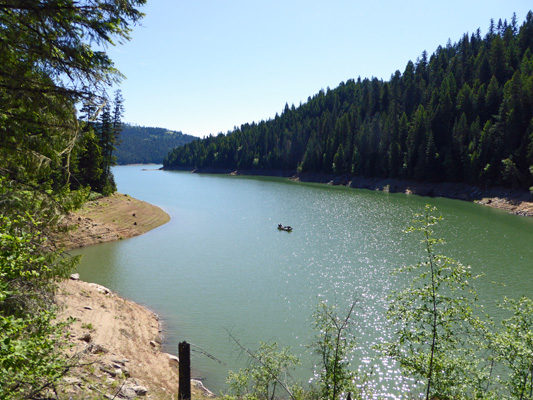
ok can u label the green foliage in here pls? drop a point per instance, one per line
(27, 269)
(439, 332)
(510, 173)
(447, 117)
(269, 366)
(31, 357)
(30, 339)
(334, 344)
(268, 371)
(47, 66)
(94, 152)
(442, 338)
(513, 349)
(531, 171)
(89, 161)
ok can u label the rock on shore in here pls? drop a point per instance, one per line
(120, 346)
(515, 201)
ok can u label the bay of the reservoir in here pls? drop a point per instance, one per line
(222, 265)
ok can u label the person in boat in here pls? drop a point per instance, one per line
(284, 228)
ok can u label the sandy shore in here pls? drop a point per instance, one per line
(110, 218)
(118, 341)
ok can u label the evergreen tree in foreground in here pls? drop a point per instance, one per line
(47, 67)
(94, 153)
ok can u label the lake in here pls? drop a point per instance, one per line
(221, 265)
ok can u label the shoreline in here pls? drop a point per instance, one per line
(118, 341)
(110, 218)
(514, 201)
(120, 345)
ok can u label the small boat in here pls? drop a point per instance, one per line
(284, 228)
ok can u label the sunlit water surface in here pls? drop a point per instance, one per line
(221, 265)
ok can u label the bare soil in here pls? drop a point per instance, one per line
(110, 218)
(120, 346)
(117, 341)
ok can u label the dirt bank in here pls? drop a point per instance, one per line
(120, 345)
(118, 340)
(514, 201)
(110, 218)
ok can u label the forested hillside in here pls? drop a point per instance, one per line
(461, 114)
(146, 145)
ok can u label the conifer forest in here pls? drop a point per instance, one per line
(461, 114)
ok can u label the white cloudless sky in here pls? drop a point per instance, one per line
(205, 66)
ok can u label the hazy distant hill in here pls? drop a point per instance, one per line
(145, 145)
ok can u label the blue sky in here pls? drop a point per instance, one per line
(205, 66)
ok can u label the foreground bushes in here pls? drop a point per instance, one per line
(443, 340)
(31, 341)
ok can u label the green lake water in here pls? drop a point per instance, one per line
(221, 265)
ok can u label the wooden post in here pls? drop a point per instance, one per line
(184, 391)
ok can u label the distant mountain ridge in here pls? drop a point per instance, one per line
(147, 145)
